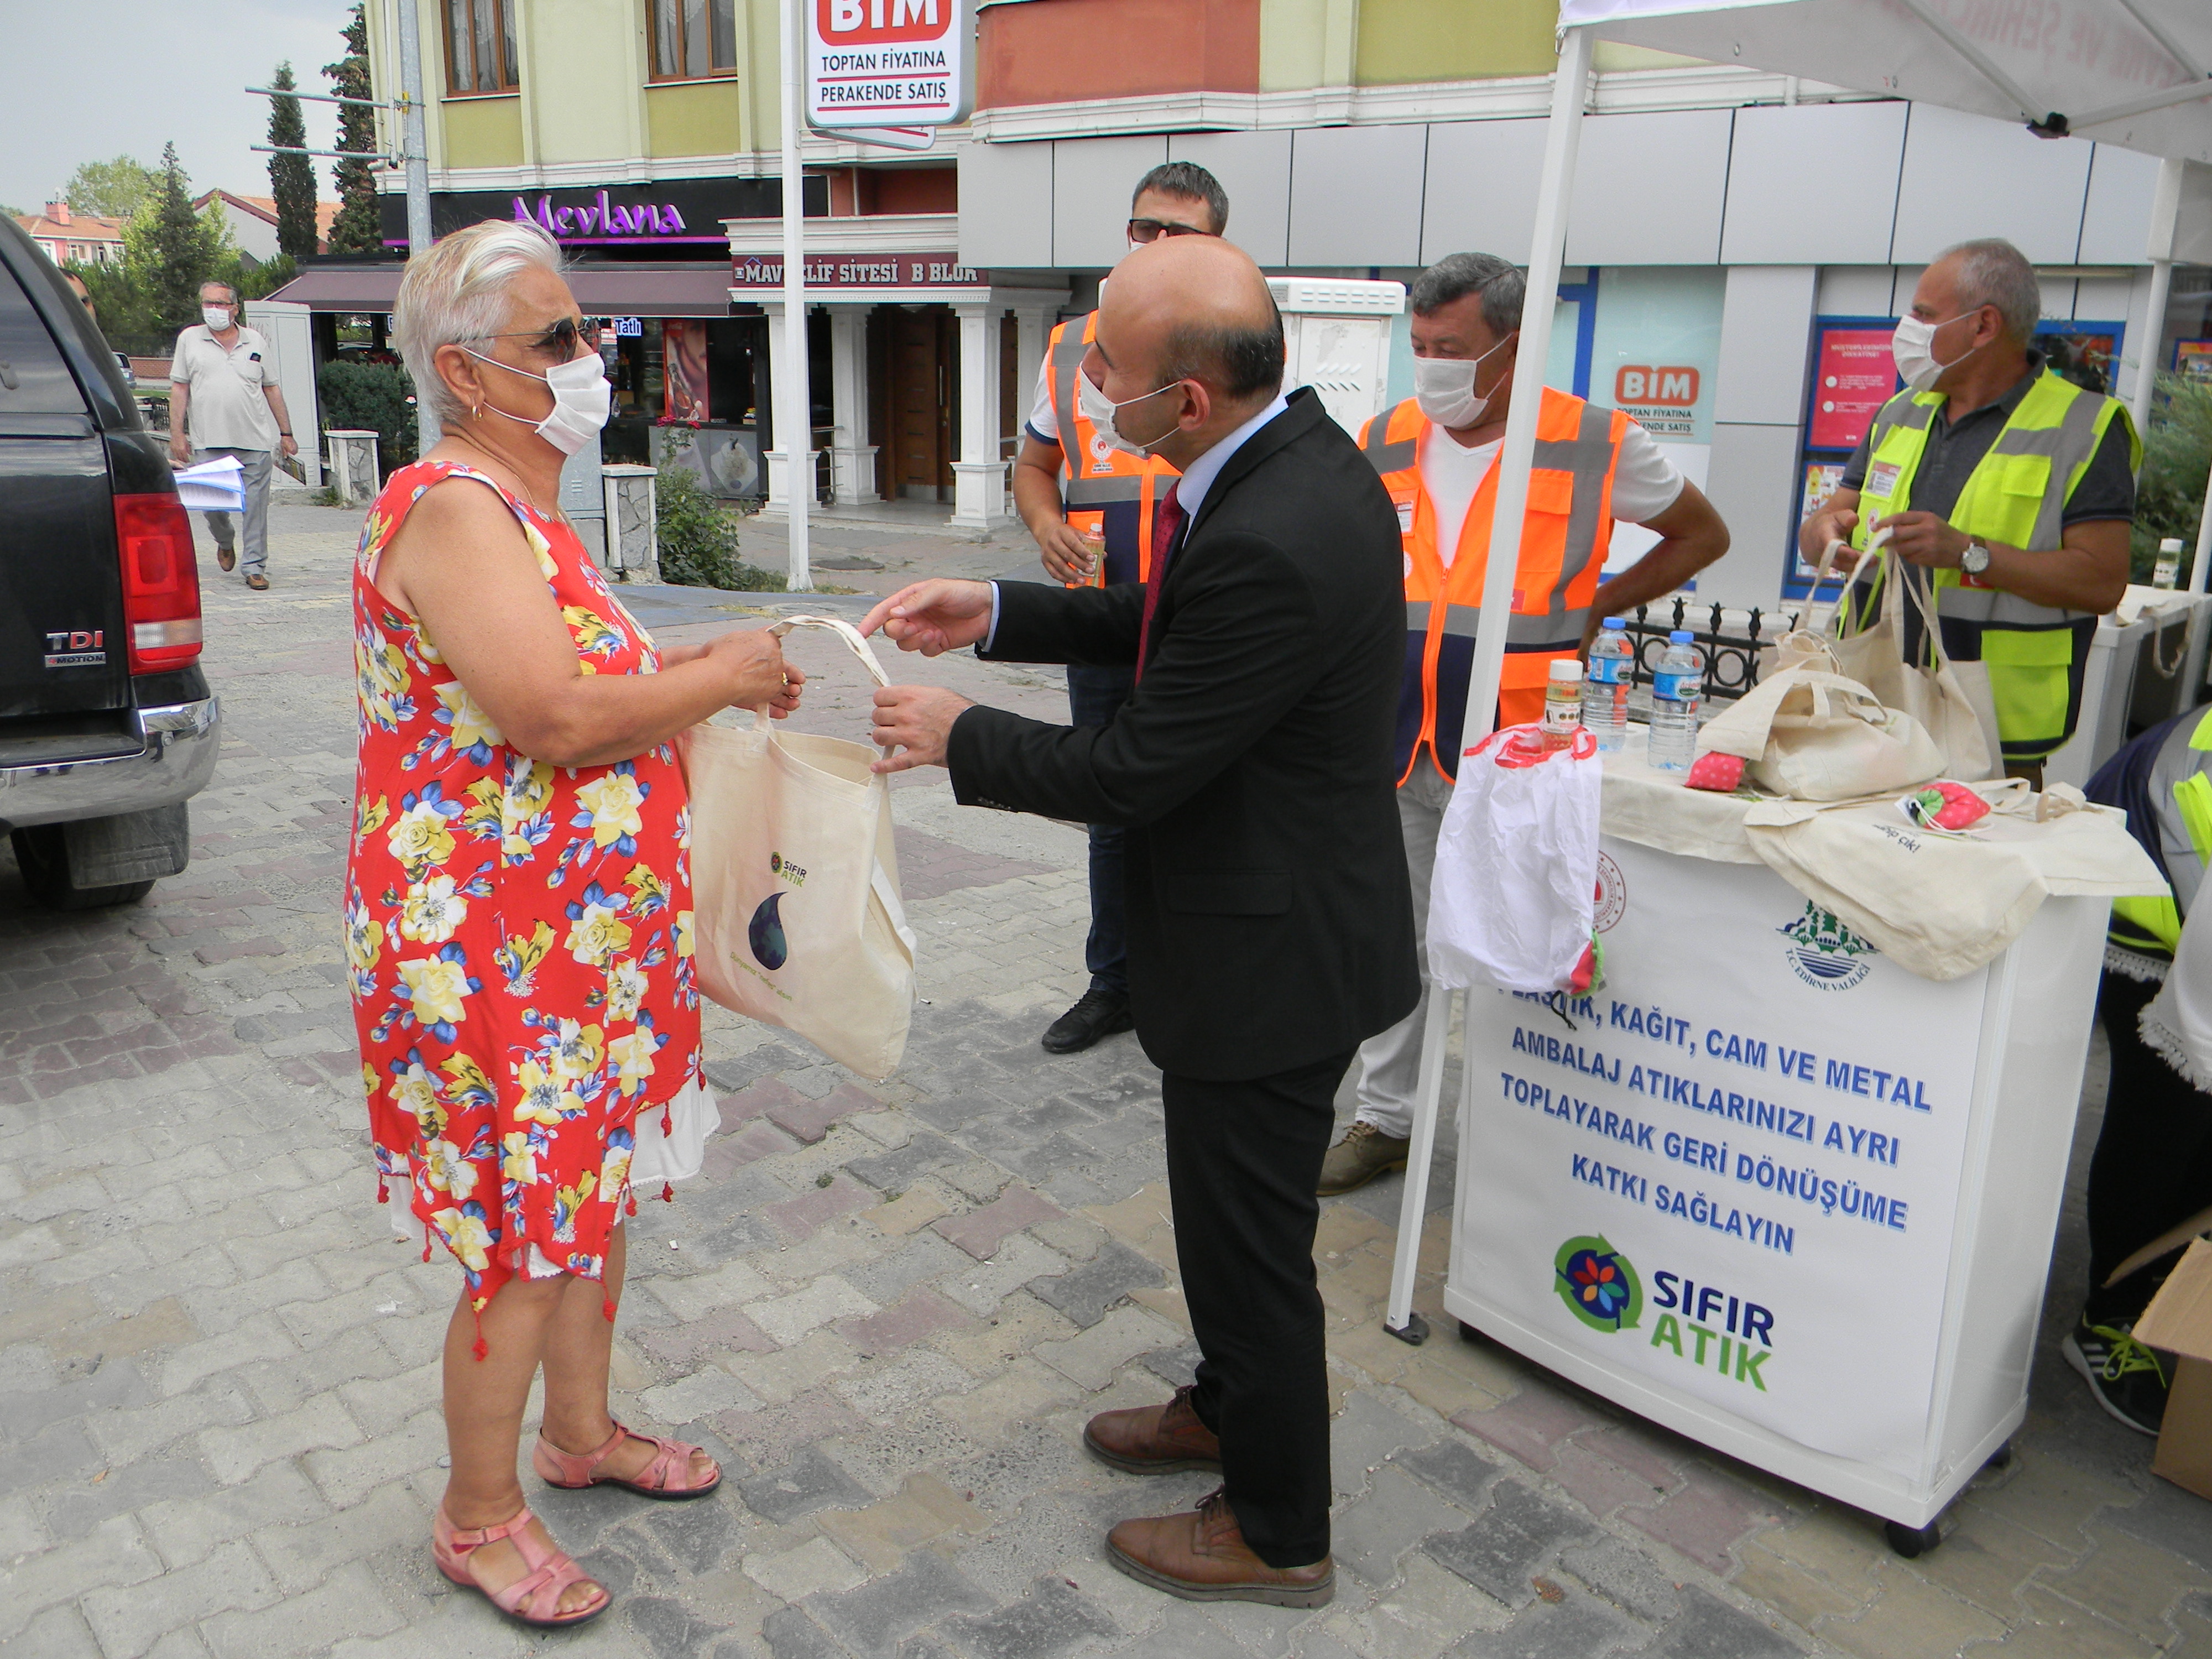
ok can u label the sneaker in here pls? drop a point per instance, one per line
(1098, 1012)
(1364, 1153)
(2128, 1379)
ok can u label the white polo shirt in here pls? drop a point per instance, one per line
(228, 407)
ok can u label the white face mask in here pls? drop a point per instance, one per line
(217, 318)
(1913, 349)
(581, 400)
(1444, 387)
(1099, 409)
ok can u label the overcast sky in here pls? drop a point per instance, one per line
(90, 79)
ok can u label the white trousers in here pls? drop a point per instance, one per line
(1390, 1062)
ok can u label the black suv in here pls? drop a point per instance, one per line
(106, 726)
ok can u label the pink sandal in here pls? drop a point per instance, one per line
(531, 1598)
(668, 1476)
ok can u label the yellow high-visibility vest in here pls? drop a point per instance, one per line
(2017, 495)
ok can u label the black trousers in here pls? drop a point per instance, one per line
(1095, 696)
(2153, 1166)
(1243, 1158)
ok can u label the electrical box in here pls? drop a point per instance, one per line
(1336, 339)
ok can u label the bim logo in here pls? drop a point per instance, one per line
(1598, 1285)
(1674, 385)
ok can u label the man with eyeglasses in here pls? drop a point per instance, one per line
(1068, 480)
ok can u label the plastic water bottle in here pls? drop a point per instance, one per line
(1605, 687)
(1563, 702)
(2168, 571)
(1675, 688)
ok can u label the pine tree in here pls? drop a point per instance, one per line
(291, 178)
(359, 228)
(169, 250)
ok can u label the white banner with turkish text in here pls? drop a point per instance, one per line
(1735, 1169)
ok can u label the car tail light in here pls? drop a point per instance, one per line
(161, 582)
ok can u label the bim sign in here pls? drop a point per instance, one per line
(1672, 388)
(885, 63)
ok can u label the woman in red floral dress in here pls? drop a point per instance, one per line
(518, 899)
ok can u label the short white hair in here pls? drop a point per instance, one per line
(1993, 272)
(456, 294)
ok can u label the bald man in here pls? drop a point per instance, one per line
(1270, 921)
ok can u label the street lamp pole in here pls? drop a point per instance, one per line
(415, 149)
(796, 416)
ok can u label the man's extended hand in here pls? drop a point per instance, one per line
(933, 617)
(1924, 538)
(917, 721)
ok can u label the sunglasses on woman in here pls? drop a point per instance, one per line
(560, 337)
(1150, 230)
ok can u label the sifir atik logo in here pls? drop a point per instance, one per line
(1712, 1328)
(1597, 1284)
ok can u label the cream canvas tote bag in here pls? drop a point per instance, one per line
(799, 921)
(1950, 700)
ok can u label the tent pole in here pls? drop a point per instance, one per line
(2165, 223)
(1570, 92)
(1563, 137)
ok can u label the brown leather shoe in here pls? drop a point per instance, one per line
(1154, 1440)
(1201, 1556)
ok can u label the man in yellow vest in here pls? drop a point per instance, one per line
(1437, 454)
(1068, 480)
(2008, 488)
(2151, 1170)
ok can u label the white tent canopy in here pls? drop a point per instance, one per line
(2127, 72)
(2133, 73)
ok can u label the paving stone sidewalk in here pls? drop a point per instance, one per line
(887, 1308)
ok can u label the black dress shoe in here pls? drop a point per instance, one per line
(1097, 1013)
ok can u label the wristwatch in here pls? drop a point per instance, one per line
(1975, 559)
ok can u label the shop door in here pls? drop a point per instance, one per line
(922, 354)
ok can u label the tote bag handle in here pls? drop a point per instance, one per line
(845, 631)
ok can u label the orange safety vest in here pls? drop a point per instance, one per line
(1565, 536)
(1098, 483)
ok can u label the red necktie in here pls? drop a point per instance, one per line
(1167, 522)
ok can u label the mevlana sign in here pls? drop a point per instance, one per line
(603, 218)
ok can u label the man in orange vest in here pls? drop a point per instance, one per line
(1437, 452)
(1067, 481)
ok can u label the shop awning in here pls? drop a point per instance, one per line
(700, 289)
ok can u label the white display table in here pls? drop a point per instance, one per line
(1771, 1190)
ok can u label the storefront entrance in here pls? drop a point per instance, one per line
(913, 374)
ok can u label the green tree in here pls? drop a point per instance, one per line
(111, 188)
(291, 178)
(2176, 454)
(168, 250)
(359, 228)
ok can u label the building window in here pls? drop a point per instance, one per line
(693, 37)
(480, 46)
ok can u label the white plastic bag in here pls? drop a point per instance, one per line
(1516, 884)
(798, 916)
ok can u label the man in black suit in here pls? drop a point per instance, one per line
(1270, 922)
